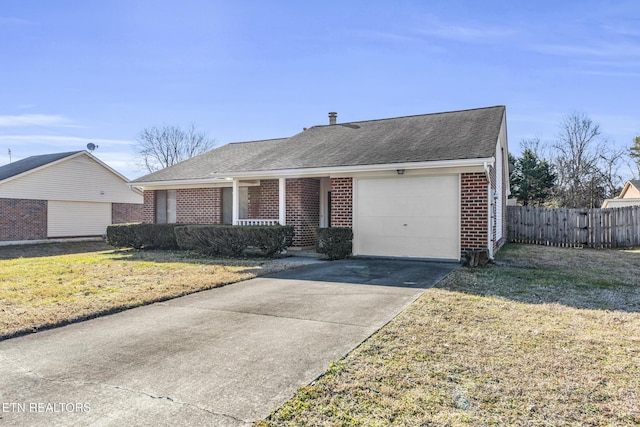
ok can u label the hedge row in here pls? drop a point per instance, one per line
(233, 241)
(225, 240)
(142, 236)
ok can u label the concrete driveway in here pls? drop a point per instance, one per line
(223, 357)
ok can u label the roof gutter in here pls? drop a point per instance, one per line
(182, 183)
(226, 178)
(361, 168)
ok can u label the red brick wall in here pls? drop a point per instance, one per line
(199, 206)
(149, 207)
(342, 202)
(263, 200)
(22, 219)
(473, 211)
(126, 213)
(204, 205)
(303, 209)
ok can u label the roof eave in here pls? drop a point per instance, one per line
(226, 178)
(180, 183)
(41, 167)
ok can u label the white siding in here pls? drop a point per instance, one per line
(632, 193)
(77, 178)
(499, 189)
(620, 203)
(77, 219)
(503, 185)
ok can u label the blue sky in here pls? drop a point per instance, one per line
(80, 71)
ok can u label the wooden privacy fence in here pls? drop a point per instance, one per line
(593, 228)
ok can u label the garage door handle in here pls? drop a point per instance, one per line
(404, 225)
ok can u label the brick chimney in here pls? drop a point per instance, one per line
(332, 118)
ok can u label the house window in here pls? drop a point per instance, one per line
(227, 204)
(165, 206)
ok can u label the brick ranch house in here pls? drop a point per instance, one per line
(63, 195)
(428, 186)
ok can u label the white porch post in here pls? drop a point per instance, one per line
(235, 216)
(282, 201)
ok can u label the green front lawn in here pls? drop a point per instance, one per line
(545, 337)
(53, 284)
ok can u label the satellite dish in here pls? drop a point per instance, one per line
(91, 146)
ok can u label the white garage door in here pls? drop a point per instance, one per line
(407, 216)
(77, 219)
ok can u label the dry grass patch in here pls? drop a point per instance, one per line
(546, 337)
(53, 284)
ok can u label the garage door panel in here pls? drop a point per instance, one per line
(409, 226)
(77, 219)
(432, 227)
(408, 216)
(412, 247)
(388, 197)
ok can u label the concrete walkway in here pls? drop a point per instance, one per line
(222, 357)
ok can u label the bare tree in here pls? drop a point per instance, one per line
(634, 154)
(536, 147)
(586, 164)
(161, 147)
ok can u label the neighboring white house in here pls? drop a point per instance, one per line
(63, 195)
(629, 196)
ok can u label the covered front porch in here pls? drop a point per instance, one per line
(304, 203)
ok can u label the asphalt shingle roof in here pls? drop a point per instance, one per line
(33, 162)
(466, 134)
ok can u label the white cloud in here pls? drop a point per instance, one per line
(465, 33)
(606, 73)
(124, 164)
(52, 140)
(431, 28)
(34, 120)
(622, 30)
(624, 50)
(10, 20)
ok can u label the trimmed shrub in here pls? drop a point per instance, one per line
(122, 236)
(159, 236)
(272, 239)
(215, 240)
(142, 236)
(233, 241)
(335, 242)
